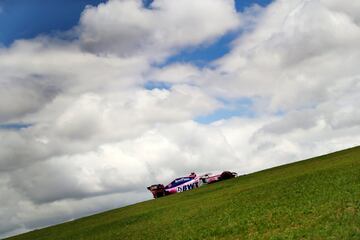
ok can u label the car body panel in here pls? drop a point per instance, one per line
(188, 183)
(182, 184)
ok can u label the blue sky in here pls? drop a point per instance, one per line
(14, 126)
(28, 18)
(231, 108)
(202, 55)
(25, 19)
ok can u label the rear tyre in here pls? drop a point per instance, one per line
(160, 194)
(157, 190)
(226, 175)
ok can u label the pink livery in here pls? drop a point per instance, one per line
(187, 183)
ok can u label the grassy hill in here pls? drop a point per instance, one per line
(317, 198)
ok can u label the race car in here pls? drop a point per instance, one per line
(187, 183)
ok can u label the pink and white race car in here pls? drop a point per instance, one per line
(187, 183)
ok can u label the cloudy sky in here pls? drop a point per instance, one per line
(100, 99)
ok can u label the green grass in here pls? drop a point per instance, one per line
(314, 199)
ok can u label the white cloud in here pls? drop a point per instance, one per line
(99, 137)
(125, 28)
(68, 71)
(296, 52)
